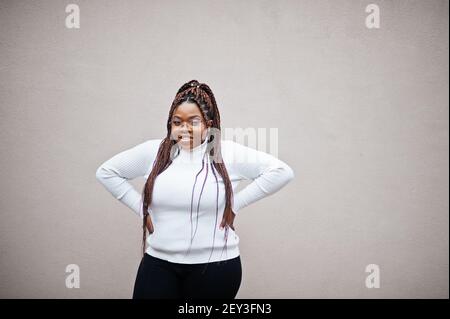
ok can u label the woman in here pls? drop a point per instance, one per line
(191, 175)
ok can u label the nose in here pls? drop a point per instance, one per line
(184, 128)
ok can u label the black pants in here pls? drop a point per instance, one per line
(157, 278)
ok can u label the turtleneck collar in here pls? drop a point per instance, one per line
(195, 153)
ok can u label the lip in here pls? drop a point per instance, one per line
(184, 137)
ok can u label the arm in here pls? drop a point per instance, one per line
(268, 173)
(129, 164)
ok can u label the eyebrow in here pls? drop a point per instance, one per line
(188, 117)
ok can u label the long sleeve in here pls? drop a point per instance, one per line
(114, 173)
(269, 174)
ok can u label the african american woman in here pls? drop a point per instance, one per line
(188, 204)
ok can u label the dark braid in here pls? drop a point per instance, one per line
(201, 94)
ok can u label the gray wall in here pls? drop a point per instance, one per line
(362, 117)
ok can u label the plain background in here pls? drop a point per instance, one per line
(362, 117)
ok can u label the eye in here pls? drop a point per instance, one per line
(196, 122)
(176, 123)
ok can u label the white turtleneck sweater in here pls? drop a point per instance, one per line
(173, 190)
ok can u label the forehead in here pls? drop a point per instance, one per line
(186, 110)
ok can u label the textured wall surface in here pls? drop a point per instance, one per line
(362, 118)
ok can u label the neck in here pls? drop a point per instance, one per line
(194, 154)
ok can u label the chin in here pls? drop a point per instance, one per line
(185, 143)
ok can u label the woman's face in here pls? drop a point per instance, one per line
(188, 126)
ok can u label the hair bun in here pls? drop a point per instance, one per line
(195, 83)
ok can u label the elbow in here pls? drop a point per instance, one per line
(289, 173)
(100, 173)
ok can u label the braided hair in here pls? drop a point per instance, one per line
(203, 97)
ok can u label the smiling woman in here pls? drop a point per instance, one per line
(194, 132)
(188, 204)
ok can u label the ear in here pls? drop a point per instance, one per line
(209, 123)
